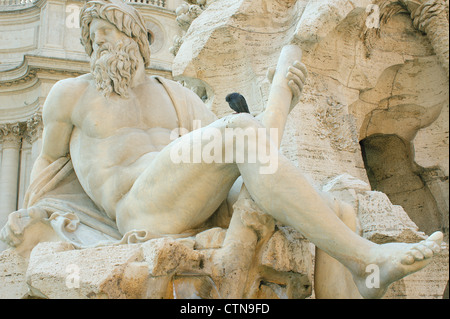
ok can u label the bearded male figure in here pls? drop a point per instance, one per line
(116, 124)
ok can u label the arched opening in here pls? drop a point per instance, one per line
(390, 166)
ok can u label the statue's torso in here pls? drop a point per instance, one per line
(114, 140)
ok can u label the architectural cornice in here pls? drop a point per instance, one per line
(161, 10)
(35, 66)
(20, 113)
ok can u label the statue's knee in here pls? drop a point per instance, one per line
(243, 121)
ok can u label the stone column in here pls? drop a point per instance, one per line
(9, 171)
(31, 148)
(24, 171)
(34, 135)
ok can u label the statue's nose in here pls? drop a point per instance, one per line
(99, 38)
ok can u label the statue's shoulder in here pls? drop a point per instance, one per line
(74, 84)
(64, 94)
(71, 86)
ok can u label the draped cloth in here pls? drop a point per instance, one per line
(72, 214)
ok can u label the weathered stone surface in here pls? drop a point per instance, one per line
(211, 238)
(383, 222)
(288, 250)
(12, 275)
(159, 268)
(57, 271)
(165, 256)
(384, 81)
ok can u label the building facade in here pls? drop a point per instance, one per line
(40, 45)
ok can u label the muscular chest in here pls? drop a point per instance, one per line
(101, 117)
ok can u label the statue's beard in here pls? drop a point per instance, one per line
(113, 67)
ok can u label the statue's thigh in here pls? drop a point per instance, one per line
(172, 196)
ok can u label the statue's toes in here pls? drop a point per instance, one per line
(435, 248)
(436, 237)
(417, 254)
(427, 252)
(408, 259)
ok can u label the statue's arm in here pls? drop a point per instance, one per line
(57, 126)
(55, 143)
(287, 82)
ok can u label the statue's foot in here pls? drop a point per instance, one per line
(394, 261)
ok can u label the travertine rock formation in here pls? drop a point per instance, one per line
(371, 129)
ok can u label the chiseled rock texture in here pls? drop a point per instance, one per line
(13, 269)
(375, 108)
(159, 268)
(268, 260)
(377, 87)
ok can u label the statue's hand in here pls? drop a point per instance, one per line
(296, 76)
(18, 221)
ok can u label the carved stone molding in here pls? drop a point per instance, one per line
(11, 134)
(34, 128)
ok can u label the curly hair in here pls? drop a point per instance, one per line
(126, 19)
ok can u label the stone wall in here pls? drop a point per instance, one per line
(364, 82)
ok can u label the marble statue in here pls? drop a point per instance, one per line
(105, 173)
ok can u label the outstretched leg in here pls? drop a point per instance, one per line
(289, 197)
(171, 198)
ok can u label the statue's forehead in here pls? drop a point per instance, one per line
(101, 23)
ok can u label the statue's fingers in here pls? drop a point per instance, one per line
(428, 253)
(8, 236)
(298, 73)
(296, 91)
(291, 76)
(299, 65)
(417, 255)
(13, 222)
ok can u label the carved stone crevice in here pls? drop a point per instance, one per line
(428, 16)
